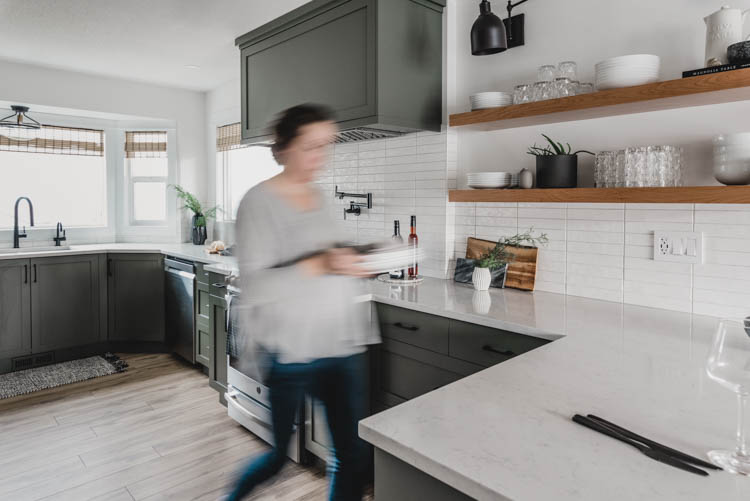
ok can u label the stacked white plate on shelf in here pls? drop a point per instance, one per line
(484, 100)
(626, 71)
(484, 180)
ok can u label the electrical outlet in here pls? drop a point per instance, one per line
(678, 246)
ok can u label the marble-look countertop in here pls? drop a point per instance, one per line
(198, 253)
(506, 433)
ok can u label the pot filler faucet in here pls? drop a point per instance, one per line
(16, 234)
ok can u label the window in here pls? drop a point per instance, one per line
(147, 168)
(63, 171)
(239, 168)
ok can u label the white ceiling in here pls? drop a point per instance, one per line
(145, 40)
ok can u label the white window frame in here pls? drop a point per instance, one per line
(131, 180)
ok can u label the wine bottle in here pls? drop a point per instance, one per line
(397, 239)
(413, 242)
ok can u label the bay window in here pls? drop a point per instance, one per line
(63, 170)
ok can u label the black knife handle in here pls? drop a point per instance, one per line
(590, 423)
(654, 445)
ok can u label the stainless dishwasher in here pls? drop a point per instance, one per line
(179, 289)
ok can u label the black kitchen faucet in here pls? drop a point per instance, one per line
(16, 234)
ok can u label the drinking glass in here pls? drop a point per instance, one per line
(567, 69)
(522, 94)
(543, 91)
(619, 167)
(564, 87)
(546, 73)
(585, 88)
(729, 365)
(601, 167)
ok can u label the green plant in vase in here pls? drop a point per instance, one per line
(200, 214)
(556, 165)
(501, 255)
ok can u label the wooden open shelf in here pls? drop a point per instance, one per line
(715, 88)
(692, 194)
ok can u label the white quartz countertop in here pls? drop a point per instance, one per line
(199, 253)
(506, 433)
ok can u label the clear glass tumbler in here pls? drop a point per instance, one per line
(546, 73)
(568, 69)
(522, 94)
(585, 88)
(564, 87)
(729, 365)
(543, 91)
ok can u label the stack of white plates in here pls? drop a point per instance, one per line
(490, 100)
(489, 179)
(626, 71)
(514, 178)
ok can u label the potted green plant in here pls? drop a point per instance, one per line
(200, 214)
(498, 258)
(556, 166)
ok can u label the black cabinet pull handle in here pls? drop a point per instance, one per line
(408, 327)
(506, 353)
(218, 285)
(34, 273)
(26, 273)
(109, 267)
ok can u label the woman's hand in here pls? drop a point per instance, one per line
(343, 261)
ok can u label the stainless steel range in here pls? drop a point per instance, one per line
(247, 397)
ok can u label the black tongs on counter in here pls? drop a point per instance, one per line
(652, 449)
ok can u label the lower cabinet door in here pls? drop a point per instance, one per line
(217, 366)
(317, 436)
(136, 297)
(64, 302)
(15, 308)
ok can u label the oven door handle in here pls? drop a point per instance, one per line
(231, 396)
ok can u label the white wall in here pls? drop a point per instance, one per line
(35, 85)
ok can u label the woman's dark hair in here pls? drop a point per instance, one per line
(290, 121)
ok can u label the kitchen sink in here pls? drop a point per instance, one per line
(35, 249)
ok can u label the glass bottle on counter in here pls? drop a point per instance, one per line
(413, 242)
(397, 239)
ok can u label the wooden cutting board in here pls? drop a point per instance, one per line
(521, 272)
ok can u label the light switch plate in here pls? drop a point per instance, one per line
(678, 246)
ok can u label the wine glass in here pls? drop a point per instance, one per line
(729, 365)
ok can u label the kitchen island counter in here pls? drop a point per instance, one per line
(506, 433)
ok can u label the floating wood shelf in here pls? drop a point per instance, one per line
(716, 88)
(693, 194)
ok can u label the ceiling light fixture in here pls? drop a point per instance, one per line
(490, 34)
(19, 119)
(192, 66)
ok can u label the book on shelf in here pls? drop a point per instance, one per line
(715, 69)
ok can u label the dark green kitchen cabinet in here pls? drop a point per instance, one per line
(135, 285)
(376, 63)
(202, 324)
(15, 308)
(65, 302)
(217, 339)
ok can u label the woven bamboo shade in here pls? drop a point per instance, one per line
(228, 137)
(54, 140)
(146, 144)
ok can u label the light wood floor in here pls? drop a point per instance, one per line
(154, 432)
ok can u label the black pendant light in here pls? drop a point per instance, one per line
(487, 32)
(19, 119)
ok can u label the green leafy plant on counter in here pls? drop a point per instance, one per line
(194, 205)
(499, 256)
(553, 149)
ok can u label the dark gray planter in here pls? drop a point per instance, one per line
(557, 171)
(199, 233)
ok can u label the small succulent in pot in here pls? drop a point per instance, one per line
(200, 214)
(556, 165)
(500, 256)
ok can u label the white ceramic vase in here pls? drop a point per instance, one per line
(481, 278)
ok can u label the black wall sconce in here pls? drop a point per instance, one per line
(490, 34)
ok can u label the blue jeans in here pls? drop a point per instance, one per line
(341, 385)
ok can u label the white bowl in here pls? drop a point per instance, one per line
(631, 59)
(739, 138)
